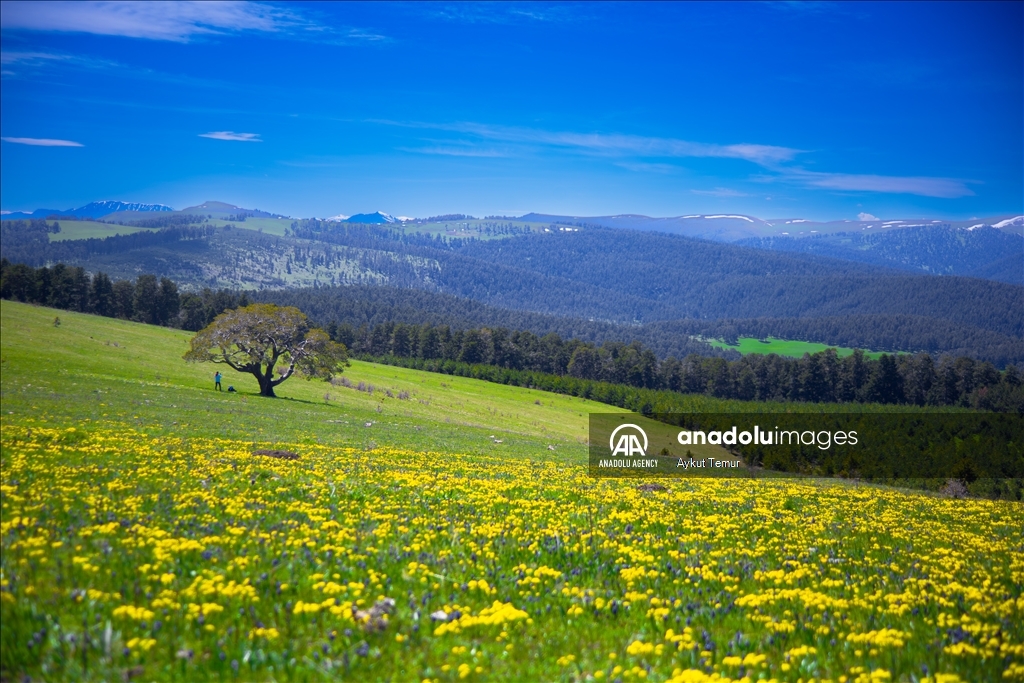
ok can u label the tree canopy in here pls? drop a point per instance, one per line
(257, 339)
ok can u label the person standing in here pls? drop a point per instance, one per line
(216, 381)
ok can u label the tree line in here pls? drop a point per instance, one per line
(358, 305)
(634, 277)
(374, 304)
(916, 379)
(147, 299)
(903, 332)
(824, 377)
(28, 242)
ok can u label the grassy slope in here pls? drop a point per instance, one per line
(860, 552)
(83, 230)
(783, 347)
(270, 226)
(112, 371)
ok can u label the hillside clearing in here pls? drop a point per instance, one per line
(783, 347)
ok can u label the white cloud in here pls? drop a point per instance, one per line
(174, 21)
(232, 136)
(44, 142)
(862, 216)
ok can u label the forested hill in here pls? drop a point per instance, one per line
(686, 278)
(593, 274)
(360, 305)
(982, 251)
(370, 306)
(635, 277)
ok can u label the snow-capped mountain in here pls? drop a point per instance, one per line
(376, 217)
(97, 209)
(1015, 222)
(91, 210)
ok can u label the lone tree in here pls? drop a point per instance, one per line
(257, 338)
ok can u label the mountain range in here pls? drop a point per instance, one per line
(90, 210)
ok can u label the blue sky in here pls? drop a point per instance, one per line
(814, 110)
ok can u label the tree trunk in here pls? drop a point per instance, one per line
(266, 384)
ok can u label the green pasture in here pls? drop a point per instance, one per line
(83, 230)
(783, 347)
(270, 226)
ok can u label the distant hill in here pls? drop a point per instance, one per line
(373, 305)
(91, 210)
(211, 207)
(991, 249)
(732, 227)
(226, 211)
(981, 251)
(717, 227)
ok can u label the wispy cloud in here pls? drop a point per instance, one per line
(25, 63)
(641, 153)
(805, 6)
(614, 144)
(362, 34)
(232, 136)
(172, 21)
(644, 167)
(43, 142)
(457, 151)
(721, 192)
(505, 12)
(32, 58)
(942, 188)
(864, 216)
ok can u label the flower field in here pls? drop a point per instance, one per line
(135, 557)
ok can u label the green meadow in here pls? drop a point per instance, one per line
(270, 226)
(783, 347)
(83, 230)
(441, 529)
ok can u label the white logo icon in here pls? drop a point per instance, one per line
(628, 444)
